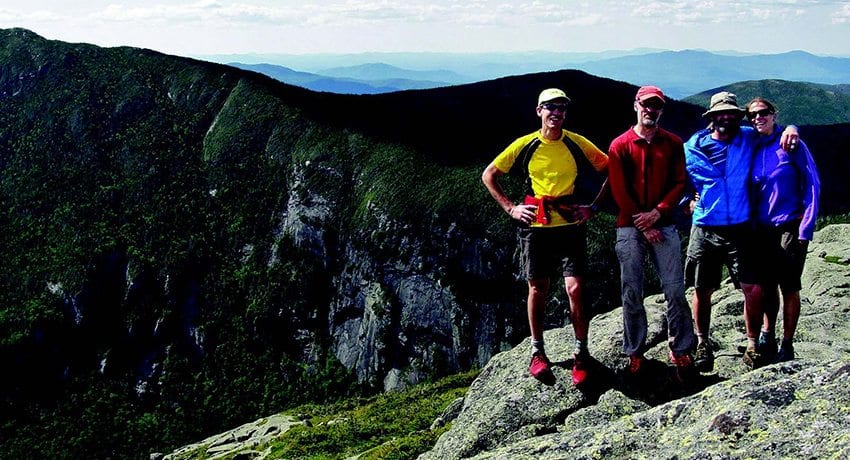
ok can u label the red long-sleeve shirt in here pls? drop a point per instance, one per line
(646, 175)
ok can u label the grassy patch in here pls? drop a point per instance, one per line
(392, 425)
(836, 260)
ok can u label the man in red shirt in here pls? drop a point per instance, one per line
(647, 177)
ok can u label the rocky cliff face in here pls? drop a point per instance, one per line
(795, 409)
(401, 321)
(401, 309)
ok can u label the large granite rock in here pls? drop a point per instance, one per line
(244, 442)
(796, 409)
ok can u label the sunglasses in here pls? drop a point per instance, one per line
(551, 106)
(652, 104)
(759, 113)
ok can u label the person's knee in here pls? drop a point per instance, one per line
(574, 289)
(702, 296)
(752, 291)
(537, 288)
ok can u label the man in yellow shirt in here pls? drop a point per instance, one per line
(554, 237)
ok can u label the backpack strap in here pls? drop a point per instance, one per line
(591, 186)
(524, 159)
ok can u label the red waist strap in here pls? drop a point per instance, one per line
(545, 203)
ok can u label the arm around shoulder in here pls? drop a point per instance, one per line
(789, 139)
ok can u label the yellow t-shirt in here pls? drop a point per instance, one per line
(552, 168)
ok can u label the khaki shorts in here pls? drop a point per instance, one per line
(710, 248)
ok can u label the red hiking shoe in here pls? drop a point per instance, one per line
(636, 364)
(539, 366)
(684, 368)
(579, 369)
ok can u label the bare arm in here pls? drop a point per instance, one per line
(522, 212)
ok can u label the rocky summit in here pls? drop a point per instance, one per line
(798, 409)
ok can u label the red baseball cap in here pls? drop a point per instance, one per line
(648, 92)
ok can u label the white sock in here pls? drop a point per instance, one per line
(537, 346)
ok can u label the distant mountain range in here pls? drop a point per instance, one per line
(683, 73)
(472, 66)
(361, 79)
(378, 71)
(679, 73)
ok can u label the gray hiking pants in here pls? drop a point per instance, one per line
(632, 249)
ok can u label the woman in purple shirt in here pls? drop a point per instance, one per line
(785, 188)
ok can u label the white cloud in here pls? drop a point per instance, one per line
(474, 13)
(252, 13)
(305, 26)
(733, 12)
(842, 16)
(200, 11)
(9, 16)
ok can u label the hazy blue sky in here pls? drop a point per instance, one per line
(197, 27)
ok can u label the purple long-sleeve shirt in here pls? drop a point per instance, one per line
(786, 185)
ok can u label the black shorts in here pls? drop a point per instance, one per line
(783, 256)
(710, 248)
(555, 251)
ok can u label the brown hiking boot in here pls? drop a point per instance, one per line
(704, 358)
(752, 358)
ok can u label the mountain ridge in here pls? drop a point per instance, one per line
(379, 71)
(690, 71)
(343, 84)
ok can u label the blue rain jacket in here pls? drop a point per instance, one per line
(723, 195)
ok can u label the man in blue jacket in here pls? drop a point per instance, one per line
(718, 161)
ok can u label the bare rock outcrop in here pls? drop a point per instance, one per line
(794, 409)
